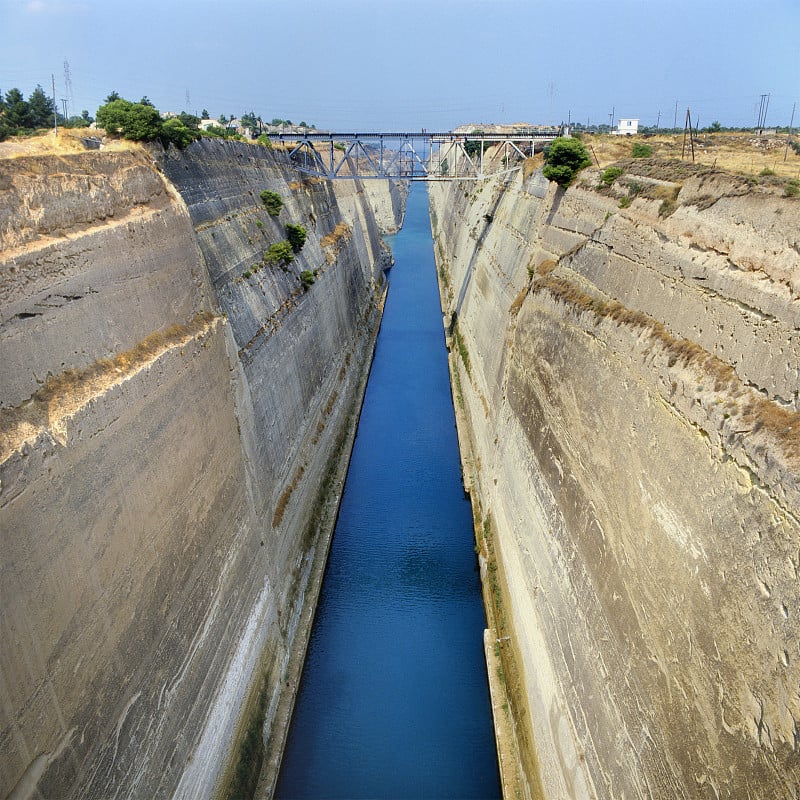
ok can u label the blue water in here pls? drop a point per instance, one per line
(393, 701)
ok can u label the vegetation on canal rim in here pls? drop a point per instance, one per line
(610, 175)
(563, 160)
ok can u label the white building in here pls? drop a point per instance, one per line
(626, 127)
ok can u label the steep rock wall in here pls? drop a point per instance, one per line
(172, 436)
(628, 385)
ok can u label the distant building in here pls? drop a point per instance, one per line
(626, 127)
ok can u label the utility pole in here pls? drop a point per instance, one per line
(64, 106)
(675, 122)
(789, 135)
(55, 112)
(762, 113)
(613, 110)
(688, 125)
(658, 120)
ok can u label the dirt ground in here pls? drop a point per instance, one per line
(743, 153)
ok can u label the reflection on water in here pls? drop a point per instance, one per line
(394, 702)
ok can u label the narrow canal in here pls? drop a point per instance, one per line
(393, 701)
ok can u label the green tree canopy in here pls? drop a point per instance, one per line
(273, 201)
(135, 121)
(564, 159)
(40, 109)
(189, 120)
(173, 131)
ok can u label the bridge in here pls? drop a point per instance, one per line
(418, 156)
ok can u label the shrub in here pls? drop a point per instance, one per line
(259, 223)
(296, 234)
(640, 150)
(307, 279)
(173, 131)
(792, 188)
(273, 202)
(611, 174)
(766, 171)
(564, 159)
(279, 253)
(625, 202)
(264, 140)
(635, 188)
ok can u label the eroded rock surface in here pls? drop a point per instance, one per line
(629, 384)
(173, 434)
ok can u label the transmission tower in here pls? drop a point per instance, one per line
(67, 88)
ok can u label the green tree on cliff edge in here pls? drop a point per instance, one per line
(563, 160)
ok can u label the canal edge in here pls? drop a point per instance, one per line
(275, 743)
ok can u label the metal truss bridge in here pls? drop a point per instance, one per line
(412, 156)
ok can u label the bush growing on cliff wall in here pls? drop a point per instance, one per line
(273, 202)
(296, 234)
(564, 159)
(279, 254)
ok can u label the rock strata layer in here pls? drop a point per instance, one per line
(628, 385)
(172, 424)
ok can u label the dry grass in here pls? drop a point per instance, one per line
(334, 241)
(68, 141)
(341, 231)
(530, 165)
(61, 396)
(757, 412)
(741, 153)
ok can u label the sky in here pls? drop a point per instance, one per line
(360, 65)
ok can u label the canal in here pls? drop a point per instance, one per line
(393, 701)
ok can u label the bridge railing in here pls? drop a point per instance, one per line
(413, 155)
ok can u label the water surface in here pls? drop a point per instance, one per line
(393, 701)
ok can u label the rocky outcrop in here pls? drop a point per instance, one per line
(628, 387)
(174, 426)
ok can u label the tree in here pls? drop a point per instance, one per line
(135, 121)
(112, 97)
(40, 109)
(189, 120)
(205, 114)
(473, 148)
(249, 120)
(296, 234)
(564, 159)
(16, 114)
(145, 101)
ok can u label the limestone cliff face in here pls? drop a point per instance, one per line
(629, 389)
(172, 437)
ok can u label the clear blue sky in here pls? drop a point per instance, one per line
(367, 64)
